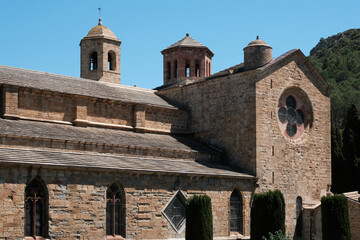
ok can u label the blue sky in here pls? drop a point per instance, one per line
(45, 35)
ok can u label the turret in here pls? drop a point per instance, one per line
(100, 55)
(256, 54)
(186, 59)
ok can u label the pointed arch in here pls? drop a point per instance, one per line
(115, 210)
(36, 209)
(236, 212)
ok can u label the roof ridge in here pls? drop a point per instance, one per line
(45, 73)
(81, 79)
(128, 87)
(81, 86)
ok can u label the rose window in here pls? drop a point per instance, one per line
(291, 116)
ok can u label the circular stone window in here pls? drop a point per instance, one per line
(291, 115)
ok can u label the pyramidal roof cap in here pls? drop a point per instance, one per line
(187, 41)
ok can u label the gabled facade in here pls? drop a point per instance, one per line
(287, 151)
(85, 159)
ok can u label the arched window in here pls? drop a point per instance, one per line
(175, 70)
(36, 209)
(111, 60)
(207, 69)
(93, 61)
(168, 70)
(187, 70)
(236, 212)
(197, 70)
(298, 228)
(115, 211)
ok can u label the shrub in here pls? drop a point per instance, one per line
(199, 222)
(278, 235)
(335, 218)
(267, 214)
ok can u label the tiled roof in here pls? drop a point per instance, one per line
(119, 163)
(33, 129)
(79, 86)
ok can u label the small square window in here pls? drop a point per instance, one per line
(175, 211)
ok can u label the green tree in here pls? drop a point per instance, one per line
(199, 222)
(267, 214)
(351, 149)
(337, 58)
(335, 218)
(278, 235)
(337, 160)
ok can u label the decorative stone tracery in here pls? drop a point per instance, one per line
(291, 115)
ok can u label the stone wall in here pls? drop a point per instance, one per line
(103, 111)
(33, 104)
(168, 119)
(238, 113)
(222, 113)
(354, 215)
(296, 166)
(45, 105)
(180, 57)
(77, 201)
(312, 223)
(102, 47)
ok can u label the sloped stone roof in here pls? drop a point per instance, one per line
(258, 42)
(355, 196)
(187, 41)
(33, 129)
(119, 163)
(79, 86)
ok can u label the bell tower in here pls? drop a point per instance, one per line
(100, 55)
(186, 59)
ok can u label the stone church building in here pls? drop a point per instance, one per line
(89, 158)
